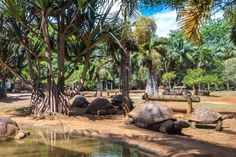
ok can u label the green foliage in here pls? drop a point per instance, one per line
(144, 29)
(167, 76)
(229, 72)
(193, 77)
(103, 41)
(74, 78)
(210, 79)
(200, 77)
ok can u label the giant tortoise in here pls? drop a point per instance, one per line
(79, 101)
(100, 106)
(205, 115)
(119, 100)
(10, 130)
(157, 117)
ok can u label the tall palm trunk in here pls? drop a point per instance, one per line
(50, 81)
(125, 73)
(151, 87)
(61, 54)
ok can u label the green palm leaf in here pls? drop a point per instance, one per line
(191, 15)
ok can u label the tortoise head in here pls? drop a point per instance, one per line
(179, 125)
(230, 116)
(21, 134)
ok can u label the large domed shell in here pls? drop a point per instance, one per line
(98, 104)
(8, 120)
(149, 113)
(205, 115)
(79, 101)
(7, 131)
(118, 100)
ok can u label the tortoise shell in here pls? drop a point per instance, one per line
(8, 128)
(98, 104)
(79, 101)
(205, 115)
(8, 120)
(149, 113)
(118, 100)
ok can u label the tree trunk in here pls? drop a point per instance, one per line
(61, 54)
(85, 69)
(169, 82)
(125, 73)
(61, 61)
(199, 87)
(208, 86)
(3, 89)
(227, 84)
(55, 100)
(151, 87)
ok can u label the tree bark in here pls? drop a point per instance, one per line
(125, 73)
(169, 82)
(151, 86)
(3, 90)
(85, 69)
(55, 100)
(227, 84)
(61, 54)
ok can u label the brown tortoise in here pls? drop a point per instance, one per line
(10, 130)
(79, 101)
(157, 117)
(207, 116)
(100, 106)
(120, 100)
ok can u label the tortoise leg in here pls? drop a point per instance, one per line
(166, 127)
(102, 112)
(219, 125)
(194, 125)
(112, 111)
(129, 121)
(107, 111)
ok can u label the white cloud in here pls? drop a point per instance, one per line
(165, 22)
(218, 15)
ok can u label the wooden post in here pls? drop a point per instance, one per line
(190, 105)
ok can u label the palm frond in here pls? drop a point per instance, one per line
(191, 15)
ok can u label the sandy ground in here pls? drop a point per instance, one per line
(194, 142)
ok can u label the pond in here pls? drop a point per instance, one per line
(48, 143)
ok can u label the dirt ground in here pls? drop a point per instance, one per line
(204, 141)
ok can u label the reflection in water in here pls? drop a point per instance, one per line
(46, 143)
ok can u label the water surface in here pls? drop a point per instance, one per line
(47, 143)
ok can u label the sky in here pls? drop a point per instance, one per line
(165, 19)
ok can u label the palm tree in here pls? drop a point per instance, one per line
(61, 21)
(148, 51)
(192, 14)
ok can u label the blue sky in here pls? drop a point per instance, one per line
(165, 19)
